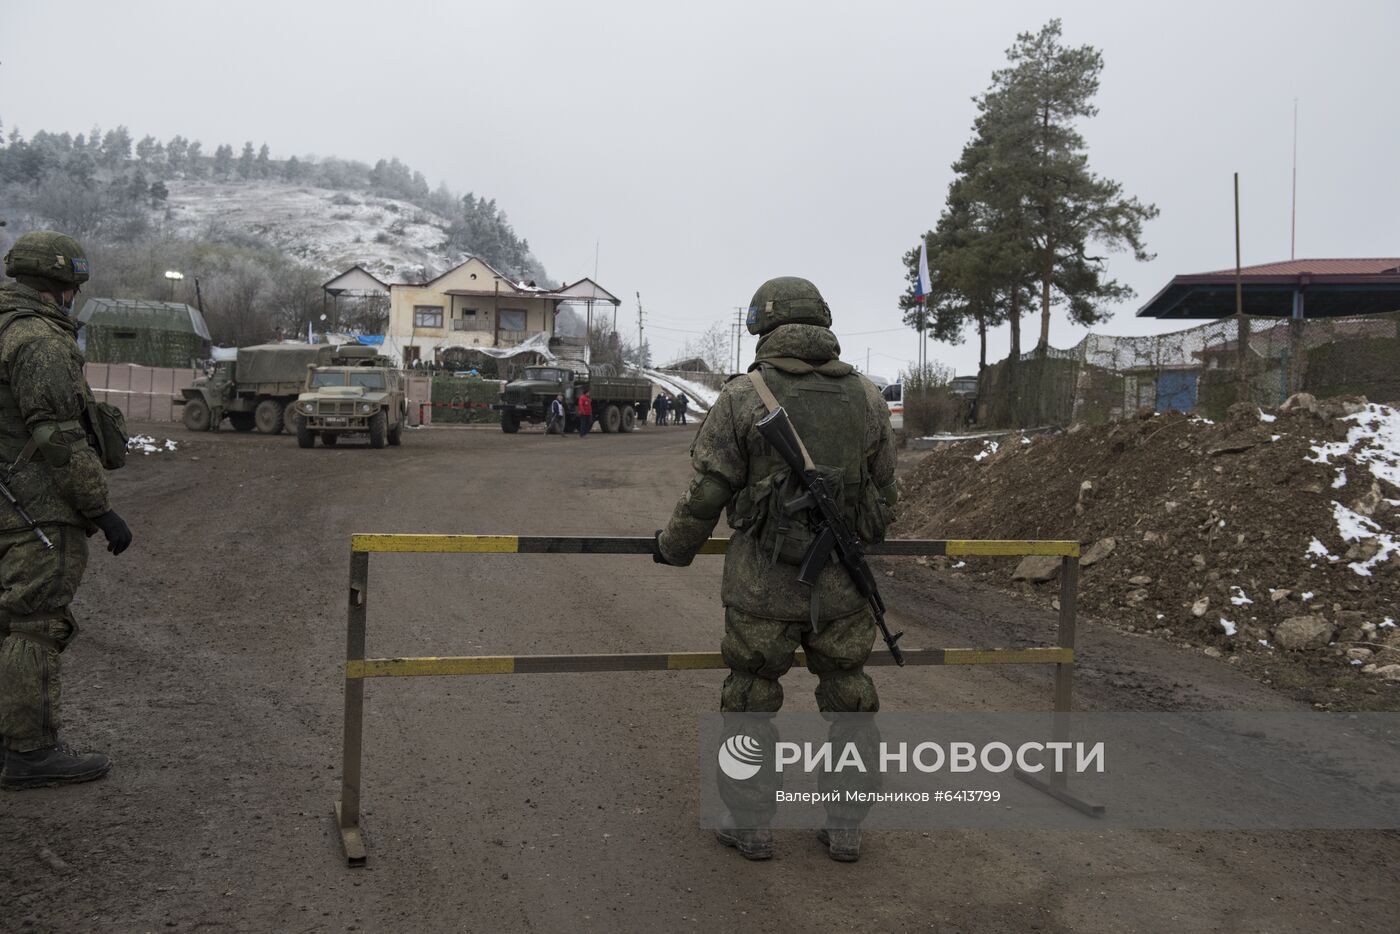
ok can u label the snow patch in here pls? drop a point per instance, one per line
(1228, 626)
(1238, 598)
(149, 445)
(1354, 527)
(1373, 442)
(702, 397)
(988, 450)
(1266, 417)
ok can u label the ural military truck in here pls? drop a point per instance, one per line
(618, 401)
(256, 389)
(358, 393)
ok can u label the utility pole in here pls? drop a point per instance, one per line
(641, 344)
(738, 339)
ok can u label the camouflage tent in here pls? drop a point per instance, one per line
(147, 333)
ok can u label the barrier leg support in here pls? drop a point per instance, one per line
(1058, 786)
(347, 809)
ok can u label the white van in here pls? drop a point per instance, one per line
(894, 398)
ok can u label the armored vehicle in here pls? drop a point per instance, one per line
(365, 397)
(618, 401)
(256, 389)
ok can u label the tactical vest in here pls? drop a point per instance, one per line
(29, 478)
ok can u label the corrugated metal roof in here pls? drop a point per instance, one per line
(139, 315)
(1315, 267)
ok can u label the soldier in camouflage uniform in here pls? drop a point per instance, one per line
(54, 445)
(845, 425)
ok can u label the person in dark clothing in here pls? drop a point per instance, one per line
(660, 406)
(682, 403)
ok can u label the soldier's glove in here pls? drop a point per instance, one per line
(656, 554)
(116, 531)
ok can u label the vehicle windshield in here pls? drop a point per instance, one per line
(549, 374)
(369, 379)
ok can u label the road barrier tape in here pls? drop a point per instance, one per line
(359, 668)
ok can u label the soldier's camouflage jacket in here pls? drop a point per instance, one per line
(845, 424)
(43, 393)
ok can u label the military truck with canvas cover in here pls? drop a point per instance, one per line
(618, 401)
(256, 389)
(358, 394)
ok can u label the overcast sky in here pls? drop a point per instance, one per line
(706, 147)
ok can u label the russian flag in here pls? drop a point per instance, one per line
(924, 285)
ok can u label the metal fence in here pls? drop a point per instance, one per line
(1104, 378)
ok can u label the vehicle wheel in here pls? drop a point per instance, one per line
(396, 435)
(305, 436)
(241, 421)
(329, 438)
(289, 417)
(196, 417)
(629, 418)
(268, 416)
(509, 423)
(377, 429)
(612, 419)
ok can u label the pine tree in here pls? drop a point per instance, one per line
(223, 160)
(245, 161)
(1037, 175)
(263, 166)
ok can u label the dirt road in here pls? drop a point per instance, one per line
(210, 668)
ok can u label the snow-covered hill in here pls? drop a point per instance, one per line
(330, 230)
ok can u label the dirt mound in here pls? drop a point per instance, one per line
(1223, 535)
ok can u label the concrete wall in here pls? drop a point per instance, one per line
(144, 394)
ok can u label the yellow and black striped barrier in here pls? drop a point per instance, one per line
(358, 668)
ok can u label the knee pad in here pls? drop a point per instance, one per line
(847, 692)
(746, 693)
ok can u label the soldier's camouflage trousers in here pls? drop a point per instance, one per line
(759, 651)
(36, 587)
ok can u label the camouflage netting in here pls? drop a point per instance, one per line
(458, 400)
(155, 334)
(1104, 379)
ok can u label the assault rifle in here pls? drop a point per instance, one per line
(833, 534)
(28, 520)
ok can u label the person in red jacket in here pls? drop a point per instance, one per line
(585, 414)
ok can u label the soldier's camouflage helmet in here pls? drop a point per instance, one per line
(48, 254)
(787, 300)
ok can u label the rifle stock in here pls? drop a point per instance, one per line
(833, 535)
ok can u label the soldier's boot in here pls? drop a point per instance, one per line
(842, 841)
(51, 765)
(751, 843)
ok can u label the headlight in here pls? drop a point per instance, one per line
(365, 408)
(306, 408)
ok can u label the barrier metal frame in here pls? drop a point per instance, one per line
(358, 667)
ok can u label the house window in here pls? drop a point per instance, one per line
(511, 319)
(427, 316)
(410, 355)
(124, 335)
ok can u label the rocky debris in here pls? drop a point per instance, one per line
(1388, 672)
(1037, 569)
(1303, 632)
(1173, 537)
(1098, 551)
